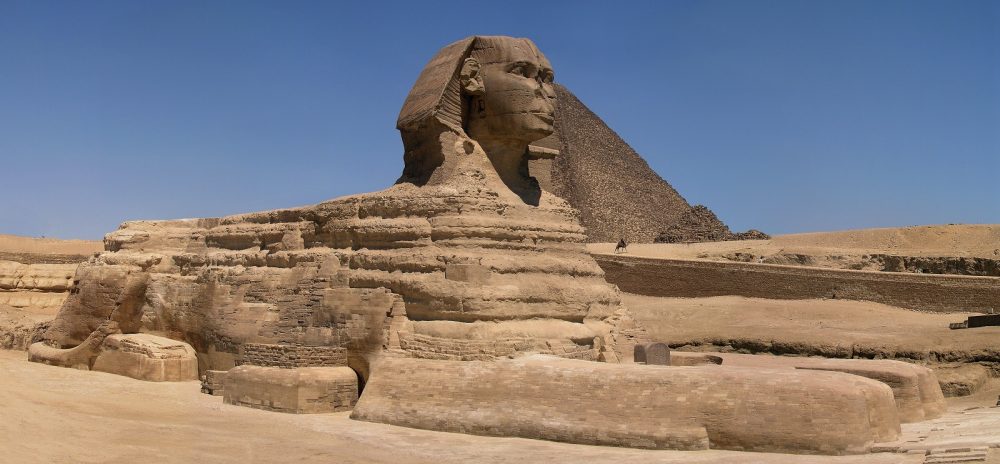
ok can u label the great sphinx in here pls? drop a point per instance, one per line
(465, 255)
(460, 292)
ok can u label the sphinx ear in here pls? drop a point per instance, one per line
(471, 80)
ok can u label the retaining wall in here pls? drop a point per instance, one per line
(684, 278)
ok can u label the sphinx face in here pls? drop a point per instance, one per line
(518, 102)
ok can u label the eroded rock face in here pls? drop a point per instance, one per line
(101, 292)
(36, 275)
(30, 296)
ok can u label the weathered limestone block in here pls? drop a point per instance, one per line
(916, 390)
(147, 357)
(777, 410)
(304, 390)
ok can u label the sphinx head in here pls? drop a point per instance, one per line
(509, 86)
(496, 91)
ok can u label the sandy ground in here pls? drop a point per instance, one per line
(822, 323)
(19, 244)
(962, 240)
(56, 415)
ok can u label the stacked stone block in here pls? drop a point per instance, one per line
(292, 356)
(291, 378)
(305, 390)
(429, 347)
(691, 279)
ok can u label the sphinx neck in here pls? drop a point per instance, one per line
(509, 161)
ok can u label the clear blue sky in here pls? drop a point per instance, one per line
(786, 116)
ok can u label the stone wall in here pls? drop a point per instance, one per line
(291, 356)
(681, 278)
(429, 347)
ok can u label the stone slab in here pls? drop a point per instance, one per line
(304, 390)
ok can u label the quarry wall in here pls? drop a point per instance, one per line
(684, 278)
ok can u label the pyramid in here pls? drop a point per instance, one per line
(617, 193)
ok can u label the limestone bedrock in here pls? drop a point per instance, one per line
(465, 258)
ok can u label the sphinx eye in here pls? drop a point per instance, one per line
(546, 76)
(521, 70)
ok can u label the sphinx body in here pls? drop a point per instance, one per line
(434, 281)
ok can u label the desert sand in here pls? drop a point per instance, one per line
(953, 240)
(48, 246)
(67, 416)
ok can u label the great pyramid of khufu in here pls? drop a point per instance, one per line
(617, 193)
